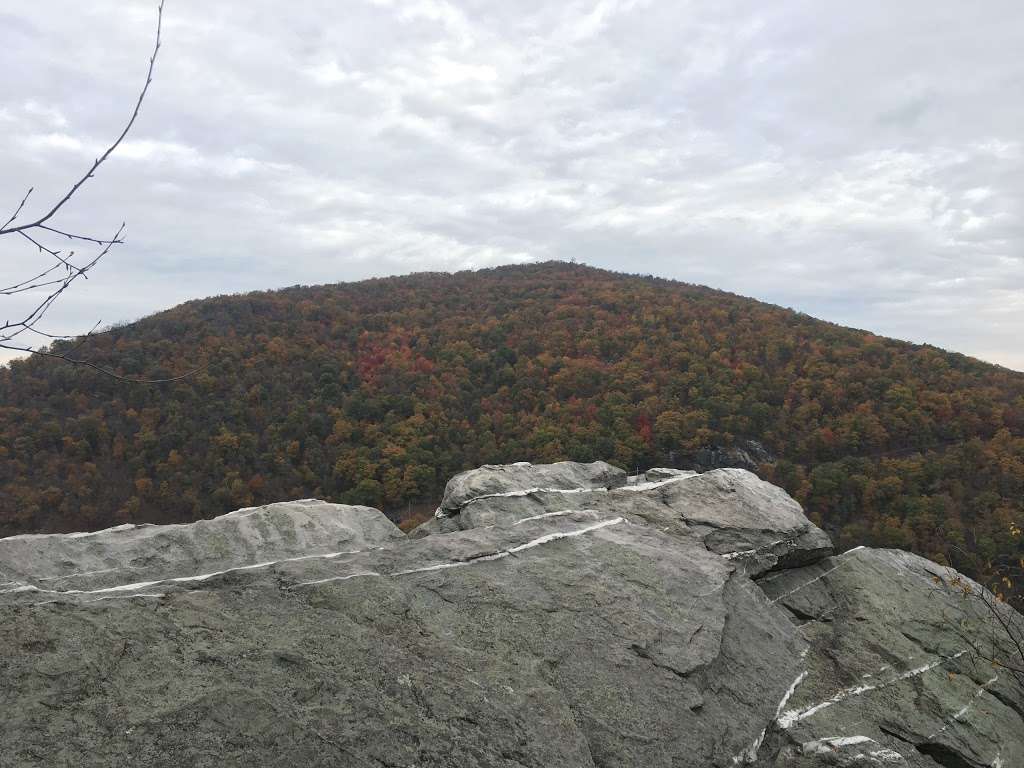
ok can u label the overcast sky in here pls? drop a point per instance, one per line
(862, 162)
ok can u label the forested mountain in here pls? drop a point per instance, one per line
(376, 392)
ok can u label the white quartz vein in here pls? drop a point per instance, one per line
(966, 707)
(819, 577)
(127, 597)
(793, 716)
(548, 514)
(85, 534)
(530, 491)
(182, 579)
(745, 552)
(749, 755)
(829, 744)
(204, 576)
(485, 558)
(887, 755)
(82, 573)
(355, 575)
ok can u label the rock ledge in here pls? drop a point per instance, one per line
(551, 615)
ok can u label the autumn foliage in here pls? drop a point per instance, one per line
(376, 392)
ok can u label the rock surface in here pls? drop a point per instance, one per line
(890, 678)
(666, 473)
(496, 479)
(730, 511)
(745, 454)
(240, 539)
(689, 621)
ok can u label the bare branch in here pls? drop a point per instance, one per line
(104, 371)
(86, 238)
(985, 619)
(30, 287)
(18, 209)
(6, 229)
(44, 273)
(69, 336)
(41, 247)
(10, 330)
(59, 276)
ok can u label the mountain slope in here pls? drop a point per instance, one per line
(375, 392)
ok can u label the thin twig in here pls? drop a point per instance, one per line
(104, 371)
(42, 274)
(6, 229)
(74, 272)
(46, 249)
(69, 336)
(18, 209)
(10, 330)
(71, 236)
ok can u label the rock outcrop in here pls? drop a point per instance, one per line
(891, 676)
(744, 454)
(551, 616)
(500, 479)
(729, 511)
(246, 538)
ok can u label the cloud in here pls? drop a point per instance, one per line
(861, 164)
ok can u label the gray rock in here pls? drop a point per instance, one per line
(131, 553)
(434, 525)
(601, 627)
(745, 454)
(575, 640)
(895, 674)
(731, 511)
(666, 473)
(748, 519)
(492, 479)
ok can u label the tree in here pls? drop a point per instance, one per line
(61, 269)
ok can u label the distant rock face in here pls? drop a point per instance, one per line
(687, 620)
(745, 454)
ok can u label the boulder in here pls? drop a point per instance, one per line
(496, 479)
(239, 539)
(690, 622)
(899, 670)
(732, 511)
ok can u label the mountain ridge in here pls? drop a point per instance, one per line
(375, 392)
(557, 265)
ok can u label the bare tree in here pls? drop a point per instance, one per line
(985, 620)
(62, 268)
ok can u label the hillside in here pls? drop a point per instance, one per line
(375, 392)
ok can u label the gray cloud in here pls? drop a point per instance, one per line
(860, 162)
